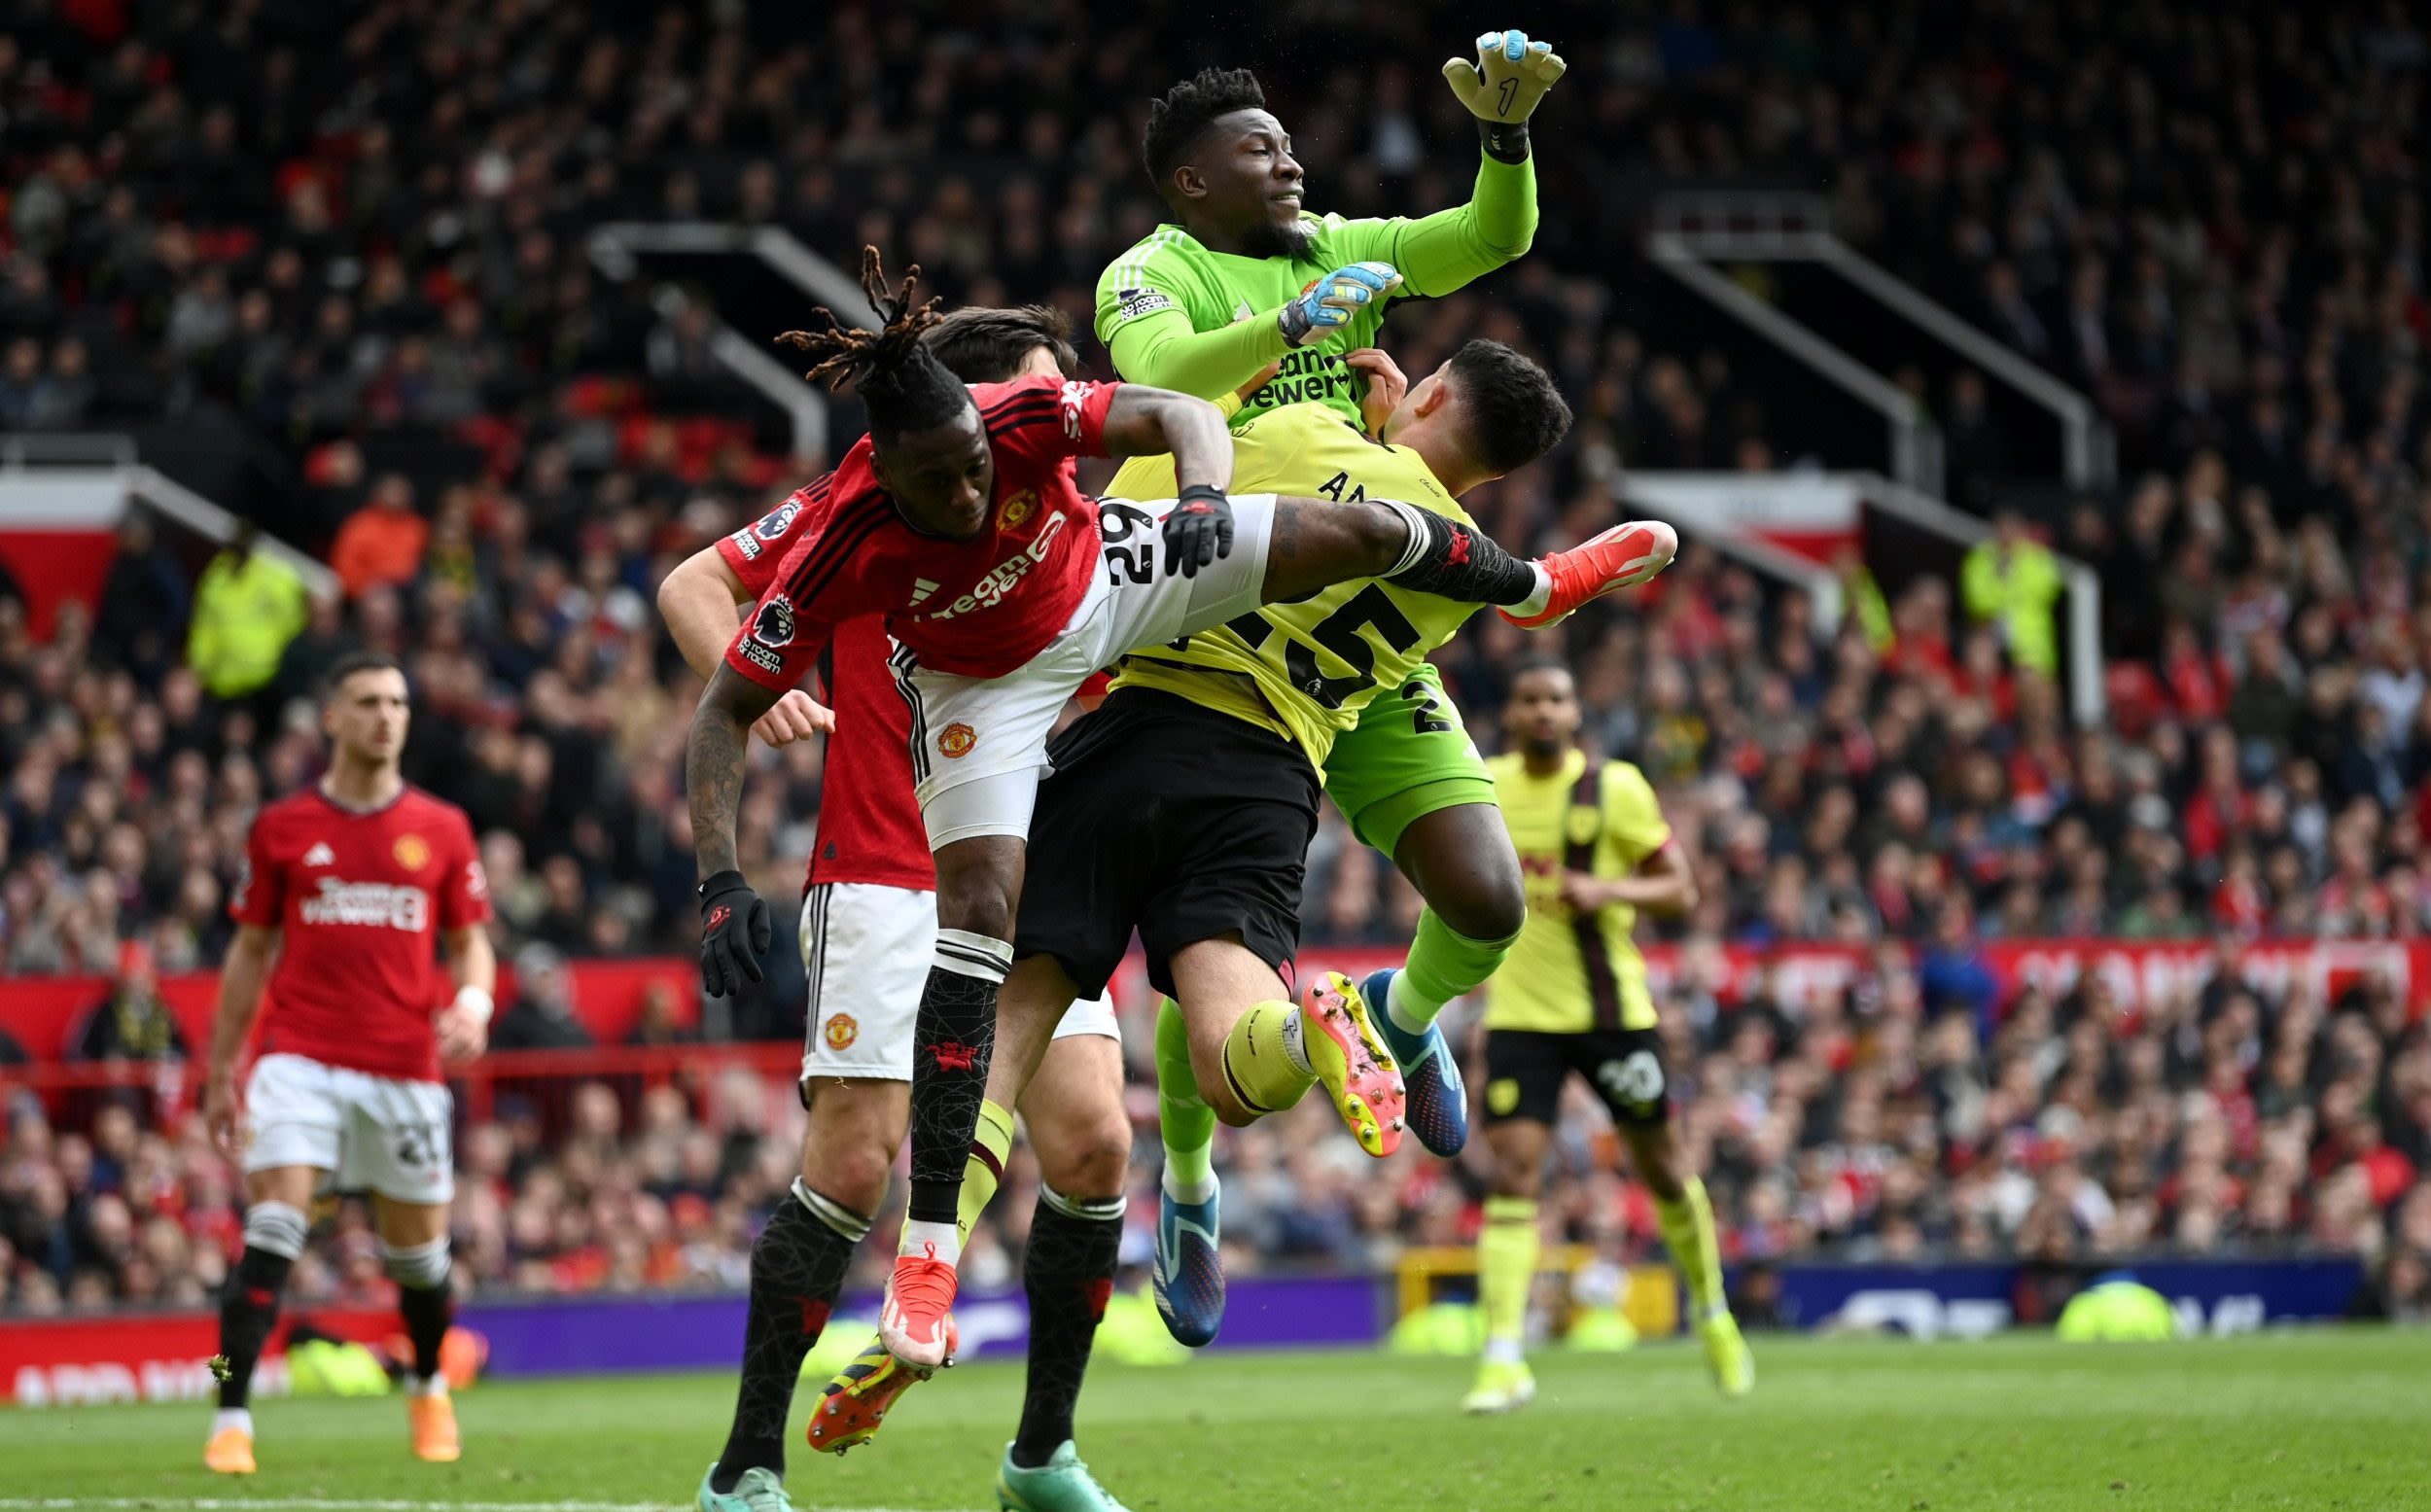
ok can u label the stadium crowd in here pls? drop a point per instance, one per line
(2212, 220)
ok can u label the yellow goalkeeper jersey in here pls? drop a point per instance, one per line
(1569, 972)
(1304, 670)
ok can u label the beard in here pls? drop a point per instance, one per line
(1545, 747)
(1279, 239)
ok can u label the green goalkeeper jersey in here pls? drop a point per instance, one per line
(1178, 316)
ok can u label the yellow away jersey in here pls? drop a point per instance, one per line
(1570, 973)
(1304, 670)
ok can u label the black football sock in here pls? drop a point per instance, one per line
(797, 1270)
(274, 1235)
(951, 1043)
(425, 1300)
(1459, 562)
(1068, 1270)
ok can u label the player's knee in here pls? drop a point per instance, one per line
(979, 895)
(1487, 902)
(850, 1171)
(848, 1150)
(1093, 1156)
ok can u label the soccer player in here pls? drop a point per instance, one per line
(956, 520)
(1199, 305)
(347, 887)
(868, 927)
(1572, 997)
(1231, 733)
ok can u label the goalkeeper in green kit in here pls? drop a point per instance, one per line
(1242, 280)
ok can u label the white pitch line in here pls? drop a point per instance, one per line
(321, 1504)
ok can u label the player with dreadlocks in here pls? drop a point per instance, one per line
(958, 519)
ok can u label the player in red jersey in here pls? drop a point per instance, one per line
(869, 924)
(956, 519)
(350, 890)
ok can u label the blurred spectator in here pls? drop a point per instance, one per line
(542, 1017)
(2011, 582)
(381, 542)
(134, 1023)
(247, 608)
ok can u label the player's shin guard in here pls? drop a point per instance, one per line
(1068, 1271)
(1506, 1268)
(1455, 561)
(274, 1235)
(1265, 1069)
(1444, 964)
(951, 1044)
(797, 1269)
(427, 1303)
(1688, 1232)
(984, 1171)
(1183, 1120)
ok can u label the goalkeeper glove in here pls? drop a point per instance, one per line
(1199, 530)
(1502, 86)
(734, 929)
(1333, 300)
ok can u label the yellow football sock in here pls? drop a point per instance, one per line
(1688, 1232)
(1264, 1067)
(986, 1166)
(1506, 1269)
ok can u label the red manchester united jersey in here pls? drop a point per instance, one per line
(977, 608)
(869, 828)
(359, 897)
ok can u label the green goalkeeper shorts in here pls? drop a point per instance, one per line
(1409, 757)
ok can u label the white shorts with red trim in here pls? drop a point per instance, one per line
(978, 747)
(866, 950)
(378, 1134)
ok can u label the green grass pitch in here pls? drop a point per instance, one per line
(2337, 1420)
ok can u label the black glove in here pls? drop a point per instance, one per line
(1199, 530)
(728, 911)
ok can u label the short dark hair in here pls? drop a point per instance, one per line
(1543, 662)
(353, 662)
(982, 344)
(900, 380)
(1514, 410)
(1177, 120)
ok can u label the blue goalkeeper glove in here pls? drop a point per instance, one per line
(1334, 300)
(1502, 87)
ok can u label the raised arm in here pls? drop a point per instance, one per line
(1150, 422)
(1162, 350)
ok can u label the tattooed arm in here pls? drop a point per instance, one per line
(713, 763)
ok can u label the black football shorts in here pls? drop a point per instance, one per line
(1172, 820)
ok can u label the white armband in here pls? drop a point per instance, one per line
(475, 1003)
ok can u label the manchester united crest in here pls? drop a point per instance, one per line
(957, 740)
(412, 852)
(1017, 509)
(839, 1031)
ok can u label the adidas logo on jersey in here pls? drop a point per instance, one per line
(922, 587)
(320, 855)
